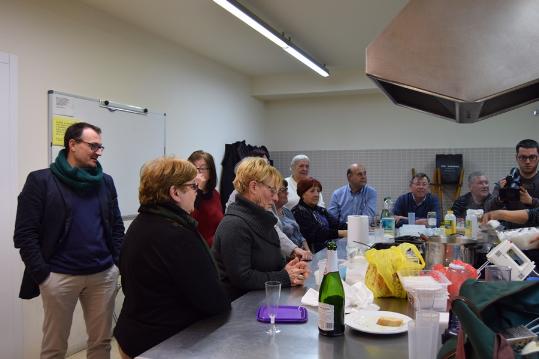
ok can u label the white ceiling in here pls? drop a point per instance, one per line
(334, 32)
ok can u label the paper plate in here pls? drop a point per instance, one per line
(365, 321)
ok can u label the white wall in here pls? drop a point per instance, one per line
(65, 46)
(11, 308)
(371, 121)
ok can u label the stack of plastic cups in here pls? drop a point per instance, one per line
(424, 332)
(424, 335)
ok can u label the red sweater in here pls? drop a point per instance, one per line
(208, 214)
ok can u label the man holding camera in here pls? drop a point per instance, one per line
(519, 190)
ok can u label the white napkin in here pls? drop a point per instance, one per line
(356, 297)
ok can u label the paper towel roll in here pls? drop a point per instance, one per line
(358, 229)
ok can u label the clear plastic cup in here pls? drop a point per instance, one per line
(431, 220)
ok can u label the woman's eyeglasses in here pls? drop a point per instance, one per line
(272, 190)
(193, 186)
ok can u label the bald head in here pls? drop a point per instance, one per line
(357, 176)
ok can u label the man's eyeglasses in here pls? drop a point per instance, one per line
(93, 146)
(272, 190)
(532, 158)
(193, 186)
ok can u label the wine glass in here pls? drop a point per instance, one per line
(273, 293)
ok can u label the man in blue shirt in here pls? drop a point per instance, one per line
(418, 200)
(355, 198)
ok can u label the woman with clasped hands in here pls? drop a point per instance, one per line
(168, 275)
(246, 246)
(317, 225)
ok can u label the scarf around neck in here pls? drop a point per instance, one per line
(75, 177)
(177, 215)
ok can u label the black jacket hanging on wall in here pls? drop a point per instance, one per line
(234, 153)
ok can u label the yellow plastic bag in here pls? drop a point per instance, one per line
(381, 277)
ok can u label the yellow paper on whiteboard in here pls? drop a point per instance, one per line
(59, 127)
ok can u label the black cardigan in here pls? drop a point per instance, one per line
(315, 234)
(169, 280)
(247, 248)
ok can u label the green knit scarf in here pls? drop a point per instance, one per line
(74, 177)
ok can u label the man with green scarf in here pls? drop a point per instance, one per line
(69, 231)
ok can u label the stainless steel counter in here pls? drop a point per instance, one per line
(239, 335)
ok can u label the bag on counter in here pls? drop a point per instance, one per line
(381, 277)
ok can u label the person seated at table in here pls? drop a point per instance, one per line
(168, 275)
(208, 210)
(355, 198)
(299, 167)
(419, 200)
(476, 198)
(288, 247)
(246, 246)
(317, 225)
(288, 223)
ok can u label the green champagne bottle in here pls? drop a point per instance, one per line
(331, 297)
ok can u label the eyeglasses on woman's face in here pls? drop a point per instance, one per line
(272, 189)
(193, 185)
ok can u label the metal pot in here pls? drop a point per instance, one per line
(446, 249)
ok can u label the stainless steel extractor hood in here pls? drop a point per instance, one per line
(463, 60)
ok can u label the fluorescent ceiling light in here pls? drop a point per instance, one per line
(242, 13)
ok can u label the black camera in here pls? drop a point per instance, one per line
(511, 191)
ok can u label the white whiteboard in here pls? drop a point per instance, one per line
(130, 140)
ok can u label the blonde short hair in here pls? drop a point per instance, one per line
(158, 175)
(256, 169)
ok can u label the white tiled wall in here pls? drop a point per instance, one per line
(389, 171)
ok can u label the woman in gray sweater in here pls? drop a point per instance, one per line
(246, 246)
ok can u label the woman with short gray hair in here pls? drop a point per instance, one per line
(299, 167)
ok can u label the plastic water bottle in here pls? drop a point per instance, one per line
(471, 225)
(387, 222)
(450, 222)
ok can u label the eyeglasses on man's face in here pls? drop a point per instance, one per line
(531, 158)
(93, 146)
(193, 185)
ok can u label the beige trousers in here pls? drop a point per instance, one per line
(60, 293)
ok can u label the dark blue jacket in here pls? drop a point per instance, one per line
(44, 219)
(314, 232)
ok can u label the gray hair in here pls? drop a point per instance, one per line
(474, 175)
(297, 158)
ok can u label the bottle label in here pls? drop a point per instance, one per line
(326, 316)
(388, 224)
